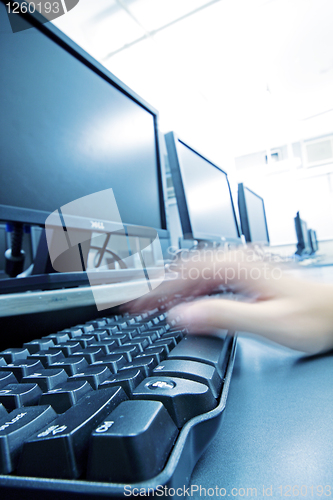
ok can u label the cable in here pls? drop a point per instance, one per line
(15, 255)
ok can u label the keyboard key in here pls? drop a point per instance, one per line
(94, 375)
(106, 345)
(155, 320)
(119, 323)
(153, 312)
(211, 350)
(132, 444)
(15, 354)
(3, 411)
(115, 317)
(48, 357)
(178, 335)
(129, 320)
(16, 395)
(184, 399)
(67, 395)
(191, 370)
(85, 340)
(47, 379)
(120, 338)
(85, 328)
(72, 333)
(134, 329)
(7, 377)
(168, 343)
(159, 352)
(147, 323)
(2, 361)
(99, 334)
(111, 329)
(129, 351)
(136, 317)
(16, 428)
(59, 450)
(97, 323)
(91, 354)
(24, 367)
(72, 364)
(150, 335)
(113, 361)
(58, 338)
(127, 378)
(158, 330)
(140, 343)
(148, 363)
(70, 347)
(38, 345)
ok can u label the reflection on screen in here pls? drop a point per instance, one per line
(208, 196)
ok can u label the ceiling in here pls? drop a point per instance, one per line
(231, 75)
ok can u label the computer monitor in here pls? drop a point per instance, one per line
(303, 242)
(203, 194)
(313, 240)
(252, 216)
(69, 128)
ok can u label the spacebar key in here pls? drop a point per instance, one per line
(206, 349)
(59, 450)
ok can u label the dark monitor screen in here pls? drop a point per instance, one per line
(69, 128)
(303, 240)
(313, 240)
(252, 215)
(306, 235)
(203, 194)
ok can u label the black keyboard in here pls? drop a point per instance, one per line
(100, 409)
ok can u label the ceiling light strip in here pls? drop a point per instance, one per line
(150, 34)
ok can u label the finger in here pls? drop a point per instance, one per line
(172, 289)
(214, 314)
(276, 320)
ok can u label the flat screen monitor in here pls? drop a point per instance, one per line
(252, 216)
(313, 240)
(303, 241)
(203, 194)
(69, 128)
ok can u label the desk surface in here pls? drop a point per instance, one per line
(278, 426)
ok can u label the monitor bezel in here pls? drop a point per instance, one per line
(38, 217)
(244, 215)
(313, 240)
(314, 232)
(301, 240)
(172, 141)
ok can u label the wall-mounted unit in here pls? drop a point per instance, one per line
(318, 151)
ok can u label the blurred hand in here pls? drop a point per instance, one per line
(289, 311)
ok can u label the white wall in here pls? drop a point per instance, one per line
(286, 193)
